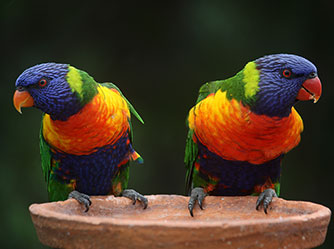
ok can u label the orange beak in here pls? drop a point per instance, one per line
(311, 90)
(22, 99)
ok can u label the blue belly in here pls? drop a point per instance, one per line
(236, 177)
(93, 173)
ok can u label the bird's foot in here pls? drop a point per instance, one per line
(81, 198)
(265, 198)
(134, 196)
(197, 194)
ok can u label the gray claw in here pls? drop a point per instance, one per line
(265, 198)
(81, 198)
(197, 194)
(134, 196)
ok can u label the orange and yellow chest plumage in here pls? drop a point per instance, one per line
(232, 131)
(101, 122)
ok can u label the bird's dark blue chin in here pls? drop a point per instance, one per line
(63, 116)
(272, 111)
(62, 108)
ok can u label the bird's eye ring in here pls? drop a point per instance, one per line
(286, 73)
(20, 88)
(42, 82)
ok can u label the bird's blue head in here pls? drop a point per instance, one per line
(283, 80)
(54, 88)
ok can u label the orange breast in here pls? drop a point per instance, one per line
(102, 121)
(232, 131)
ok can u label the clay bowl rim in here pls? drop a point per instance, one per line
(317, 211)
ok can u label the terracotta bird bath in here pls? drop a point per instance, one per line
(226, 222)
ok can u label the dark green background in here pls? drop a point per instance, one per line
(159, 54)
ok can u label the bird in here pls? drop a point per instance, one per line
(86, 132)
(240, 129)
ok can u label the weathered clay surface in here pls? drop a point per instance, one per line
(226, 222)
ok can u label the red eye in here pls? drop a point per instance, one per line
(42, 83)
(286, 73)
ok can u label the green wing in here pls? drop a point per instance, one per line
(57, 191)
(208, 88)
(45, 155)
(132, 109)
(191, 149)
(120, 181)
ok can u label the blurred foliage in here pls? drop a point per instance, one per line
(158, 54)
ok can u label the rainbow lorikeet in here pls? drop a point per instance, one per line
(241, 127)
(86, 133)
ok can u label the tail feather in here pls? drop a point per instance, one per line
(134, 156)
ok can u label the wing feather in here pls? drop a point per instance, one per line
(191, 150)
